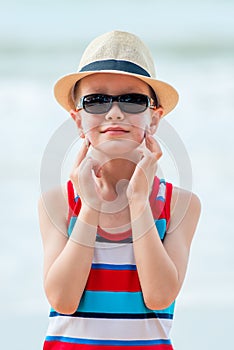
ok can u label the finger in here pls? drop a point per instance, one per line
(146, 159)
(88, 164)
(85, 167)
(96, 167)
(81, 154)
(78, 169)
(86, 181)
(153, 146)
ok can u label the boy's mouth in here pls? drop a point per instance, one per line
(115, 130)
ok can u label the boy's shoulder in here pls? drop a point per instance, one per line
(182, 195)
(54, 195)
(185, 208)
(53, 205)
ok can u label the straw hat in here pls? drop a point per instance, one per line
(116, 52)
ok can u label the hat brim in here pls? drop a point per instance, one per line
(167, 95)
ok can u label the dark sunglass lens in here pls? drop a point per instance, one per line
(96, 103)
(133, 103)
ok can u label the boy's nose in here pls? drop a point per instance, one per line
(114, 113)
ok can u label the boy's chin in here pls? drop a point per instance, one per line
(117, 147)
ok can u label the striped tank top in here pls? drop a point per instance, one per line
(112, 314)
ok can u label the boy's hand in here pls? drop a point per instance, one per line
(83, 178)
(142, 179)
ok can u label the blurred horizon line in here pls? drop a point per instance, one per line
(189, 47)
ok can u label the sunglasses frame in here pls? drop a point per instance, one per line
(151, 103)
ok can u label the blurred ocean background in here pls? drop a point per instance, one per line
(193, 46)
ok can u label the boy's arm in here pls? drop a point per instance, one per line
(162, 266)
(66, 262)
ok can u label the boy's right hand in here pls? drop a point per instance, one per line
(83, 178)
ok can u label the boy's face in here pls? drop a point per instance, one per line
(115, 130)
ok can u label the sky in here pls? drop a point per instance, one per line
(53, 21)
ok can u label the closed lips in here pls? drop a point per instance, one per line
(114, 129)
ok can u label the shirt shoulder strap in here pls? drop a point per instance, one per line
(160, 202)
(169, 188)
(74, 202)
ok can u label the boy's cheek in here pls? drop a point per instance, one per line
(141, 129)
(89, 126)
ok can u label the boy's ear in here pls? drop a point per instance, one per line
(156, 116)
(76, 117)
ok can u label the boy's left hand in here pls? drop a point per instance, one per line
(142, 179)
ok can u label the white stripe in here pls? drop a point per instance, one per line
(104, 329)
(114, 253)
(161, 190)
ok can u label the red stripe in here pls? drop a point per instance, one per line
(114, 237)
(70, 192)
(161, 210)
(56, 345)
(154, 191)
(168, 202)
(113, 280)
(74, 207)
(157, 206)
(158, 209)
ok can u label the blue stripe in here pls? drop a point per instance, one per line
(121, 241)
(160, 198)
(116, 302)
(108, 342)
(161, 225)
(119, 65)
(76, 198)
(71, 225)
(105, 315)
(113, 267)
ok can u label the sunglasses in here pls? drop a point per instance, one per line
(128, 103)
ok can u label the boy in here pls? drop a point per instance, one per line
(115, 256)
